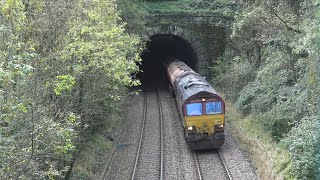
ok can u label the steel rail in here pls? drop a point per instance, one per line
(112, 156)
(161, 136)
(197, 166)
(114, 151)
(141, 136)
(225, 166)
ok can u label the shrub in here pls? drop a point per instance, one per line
(233, 75)
(302, 143)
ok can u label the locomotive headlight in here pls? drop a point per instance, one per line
(190, 128)
(220, 126)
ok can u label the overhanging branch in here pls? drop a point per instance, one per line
(283, 21)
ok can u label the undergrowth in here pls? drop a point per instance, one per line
(270, 159)
(92, 159)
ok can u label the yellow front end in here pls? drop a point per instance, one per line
(205, 123)
(205, 131)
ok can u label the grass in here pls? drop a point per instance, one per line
(91, 161)
(191, 7)
(270, 159)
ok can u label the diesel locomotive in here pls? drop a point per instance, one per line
(201, 108)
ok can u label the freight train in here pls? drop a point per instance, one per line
(201, 108)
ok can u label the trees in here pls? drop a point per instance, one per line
(64, 67)
(280, 39)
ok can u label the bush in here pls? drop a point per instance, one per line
(303, 142)
(281, 38)
(232, 75)
(248, 96)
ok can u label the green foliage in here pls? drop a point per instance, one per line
(64, 68)
(279, 40)
(248, 97)
(302, 143)
(232, 74)
(133, 14)
(161, 0)
(103, 46)
(277, 91)
(202, 7)
(90, 162)
(65, 82)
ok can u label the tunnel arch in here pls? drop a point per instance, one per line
(178, 42)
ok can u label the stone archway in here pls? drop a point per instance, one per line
(200, 60)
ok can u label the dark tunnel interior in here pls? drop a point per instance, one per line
(158, 48)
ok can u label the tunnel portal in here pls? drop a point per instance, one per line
(198, 40)
(160, 47)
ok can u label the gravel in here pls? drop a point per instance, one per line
(178, 158)
(210, 165)
(237, 163)
(125, 152)
(149, 158)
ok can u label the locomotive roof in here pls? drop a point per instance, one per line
(177, 68)
(181, 65)
(193, 85)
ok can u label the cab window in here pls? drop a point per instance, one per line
(214, 107)
(194, 109)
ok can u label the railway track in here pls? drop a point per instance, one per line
(210, 165)
(150, 152)
(117, 142)
(140, 152)
(197, 166)
(226, 171)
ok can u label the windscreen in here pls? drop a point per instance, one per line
(194, 109)
(214, 107)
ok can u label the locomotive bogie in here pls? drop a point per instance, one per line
(211, 142)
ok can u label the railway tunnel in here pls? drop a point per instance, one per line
(169, 42)
(157, 49)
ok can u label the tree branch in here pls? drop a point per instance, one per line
(32, 130)
(283, 21)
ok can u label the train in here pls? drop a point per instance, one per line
(201, 108)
